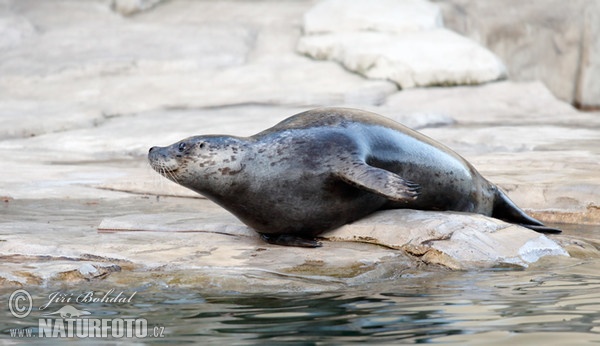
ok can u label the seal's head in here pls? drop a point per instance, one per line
(201, 163)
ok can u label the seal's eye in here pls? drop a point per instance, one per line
(181, 146)
(201, 145)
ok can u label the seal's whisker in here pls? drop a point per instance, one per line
(170, 175)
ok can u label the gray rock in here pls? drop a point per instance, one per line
(549, 40)
(588, 87)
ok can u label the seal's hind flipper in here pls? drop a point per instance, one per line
(542, 229)
(289, 240)
(507, 210)
(379, 181)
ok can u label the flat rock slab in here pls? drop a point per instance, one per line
(181, 54)
(220, 261)
(211, 249)
(454, 240)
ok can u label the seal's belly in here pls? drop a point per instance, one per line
(316, 205)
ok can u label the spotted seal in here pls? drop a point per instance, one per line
(326, 167)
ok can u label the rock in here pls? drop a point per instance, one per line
(44, 270)
(393, 16)
(22, 119)
(455, 240)
(502, 103)
(588, 87)
(436, 238)
(552, 41)
(14, 30)
(141, 47)
(424, 58)
(215, 261)
(198, 243)
(130, 7)
(95, 106)
(175, 57)
(400, 41)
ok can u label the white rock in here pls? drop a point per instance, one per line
(456, 240)
(394, 16)
(425, 58)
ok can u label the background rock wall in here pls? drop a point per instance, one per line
(555, 41)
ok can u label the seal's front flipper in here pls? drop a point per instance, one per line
(289, 240)
(379, 181)
(507, 210)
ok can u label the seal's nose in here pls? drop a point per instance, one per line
(151, 149)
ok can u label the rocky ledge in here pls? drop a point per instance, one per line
(79, 202)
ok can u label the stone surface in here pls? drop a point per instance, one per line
(214, 246)
(177, 56)
(434, 238)
(552, 41)
(454, 240)
(130, 7)
(393, 16)
(424, 58)
(14, 29)
(588, 87)
(400, 41)
(78, 122)
(29, 119)
(229, 257)
(502, 103)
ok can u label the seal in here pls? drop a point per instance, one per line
(323, 168)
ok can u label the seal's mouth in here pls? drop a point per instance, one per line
(169, 172)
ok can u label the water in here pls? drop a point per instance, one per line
(541, 306)
(556, 302)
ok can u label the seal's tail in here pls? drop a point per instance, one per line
(507, 210)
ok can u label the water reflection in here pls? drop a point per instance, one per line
(423, 309)
(437, 307)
